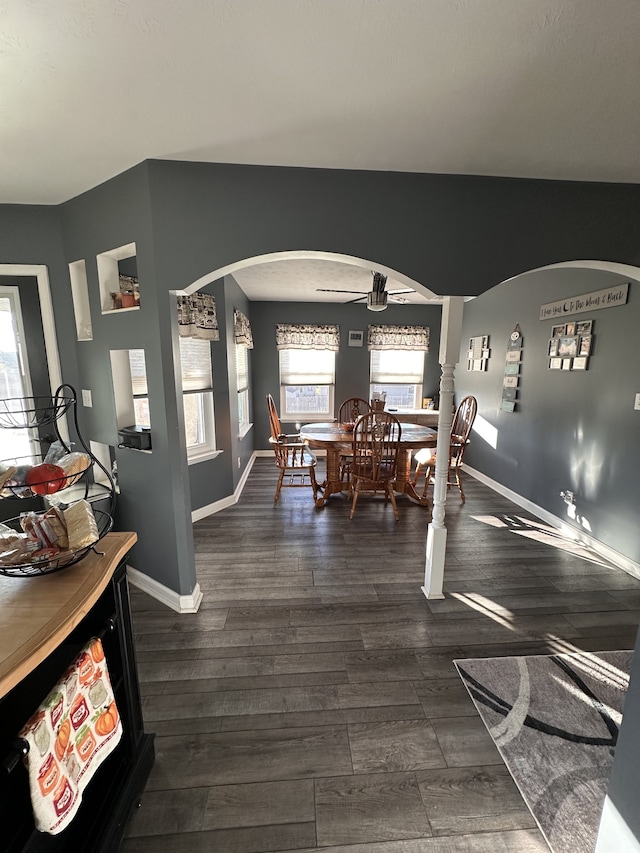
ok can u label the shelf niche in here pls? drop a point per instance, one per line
(80, 298)
(113, 265)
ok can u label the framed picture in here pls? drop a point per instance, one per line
(584, 327)
(485, 341)
(511, 369)
(510, 382)
(507, 405)
(567, 346)
(556, 331)
(566, 363)
(553, 347)
(585, 345)
(356, 339)
(579, 363)
(486, 353)
(555, 364)
(513, 355)
(570, 329)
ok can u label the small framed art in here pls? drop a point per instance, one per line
(555, 364)
(570, 329)
(356, 338)
(567, 346)
(584, 327)
(566, 363)
(585, 345)
(556, 331)
(580, 363)
(553, 347)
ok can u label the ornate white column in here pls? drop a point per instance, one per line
(450, 334)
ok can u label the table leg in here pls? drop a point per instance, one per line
(332, 485)
(403, 483)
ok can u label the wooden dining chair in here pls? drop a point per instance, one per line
(352, 409)
(294, 459)
(348, 413)
(460, 429)
(376, 443)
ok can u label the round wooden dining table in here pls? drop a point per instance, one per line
(333, 438)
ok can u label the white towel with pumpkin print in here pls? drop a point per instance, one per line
(69, 736)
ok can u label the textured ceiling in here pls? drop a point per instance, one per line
(535, 88)
(299, 280)
(528, 88)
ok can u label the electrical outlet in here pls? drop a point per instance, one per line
(637, 403)
(86, 398)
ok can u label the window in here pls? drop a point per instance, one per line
(15, 380)
(138, 368)
(307, 379)
(242, 377)
(399, 373)
(197, 397)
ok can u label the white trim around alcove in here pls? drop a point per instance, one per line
(612, 556)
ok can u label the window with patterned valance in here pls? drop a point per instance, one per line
(398, 338)
(197, 317)
(242, 330)
(306, 336)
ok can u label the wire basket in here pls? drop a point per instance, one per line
(16, 486)
(61, 560)
(30, 412)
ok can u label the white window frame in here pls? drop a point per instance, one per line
(243, 382)
(382, 376)
(326, 378)
(19, 443)
(200, 388)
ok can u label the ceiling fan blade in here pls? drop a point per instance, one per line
(332, 290)
(402, 290)
(359, 299)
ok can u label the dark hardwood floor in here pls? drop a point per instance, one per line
(312, 703)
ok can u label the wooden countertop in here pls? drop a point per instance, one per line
(37, 613)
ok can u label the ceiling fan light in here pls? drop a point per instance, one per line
(376, 300)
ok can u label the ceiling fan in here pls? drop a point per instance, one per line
(377, 296)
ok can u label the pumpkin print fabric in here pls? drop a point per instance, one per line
(69, 736)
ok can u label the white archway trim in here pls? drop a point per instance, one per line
(605, 266)
(305, 255)
(41, 274)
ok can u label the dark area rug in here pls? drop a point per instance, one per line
(555, 720)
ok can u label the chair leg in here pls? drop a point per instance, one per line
(356, 492)
(427, 477)
(392, 498)
(279, 486)
(459, 484)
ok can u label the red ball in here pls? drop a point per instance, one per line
(46, 479)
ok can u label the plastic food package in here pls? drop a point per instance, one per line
(82, 529)
(74, 465)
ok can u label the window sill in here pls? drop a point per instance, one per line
(203, 457)
(244, 430)
(307, 418)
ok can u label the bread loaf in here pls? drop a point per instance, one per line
(80, 522)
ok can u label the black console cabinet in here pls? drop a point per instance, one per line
(118, 783)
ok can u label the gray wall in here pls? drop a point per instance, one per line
(454, 234)
(573, 430)
(352, 363)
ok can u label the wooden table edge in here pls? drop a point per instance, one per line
(93, 574)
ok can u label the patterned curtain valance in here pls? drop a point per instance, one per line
(300, 336)
(398, 337)
(242, 330)
(197, 317)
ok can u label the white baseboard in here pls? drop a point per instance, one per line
(162, 593)
(613, 556)
(230, 500)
